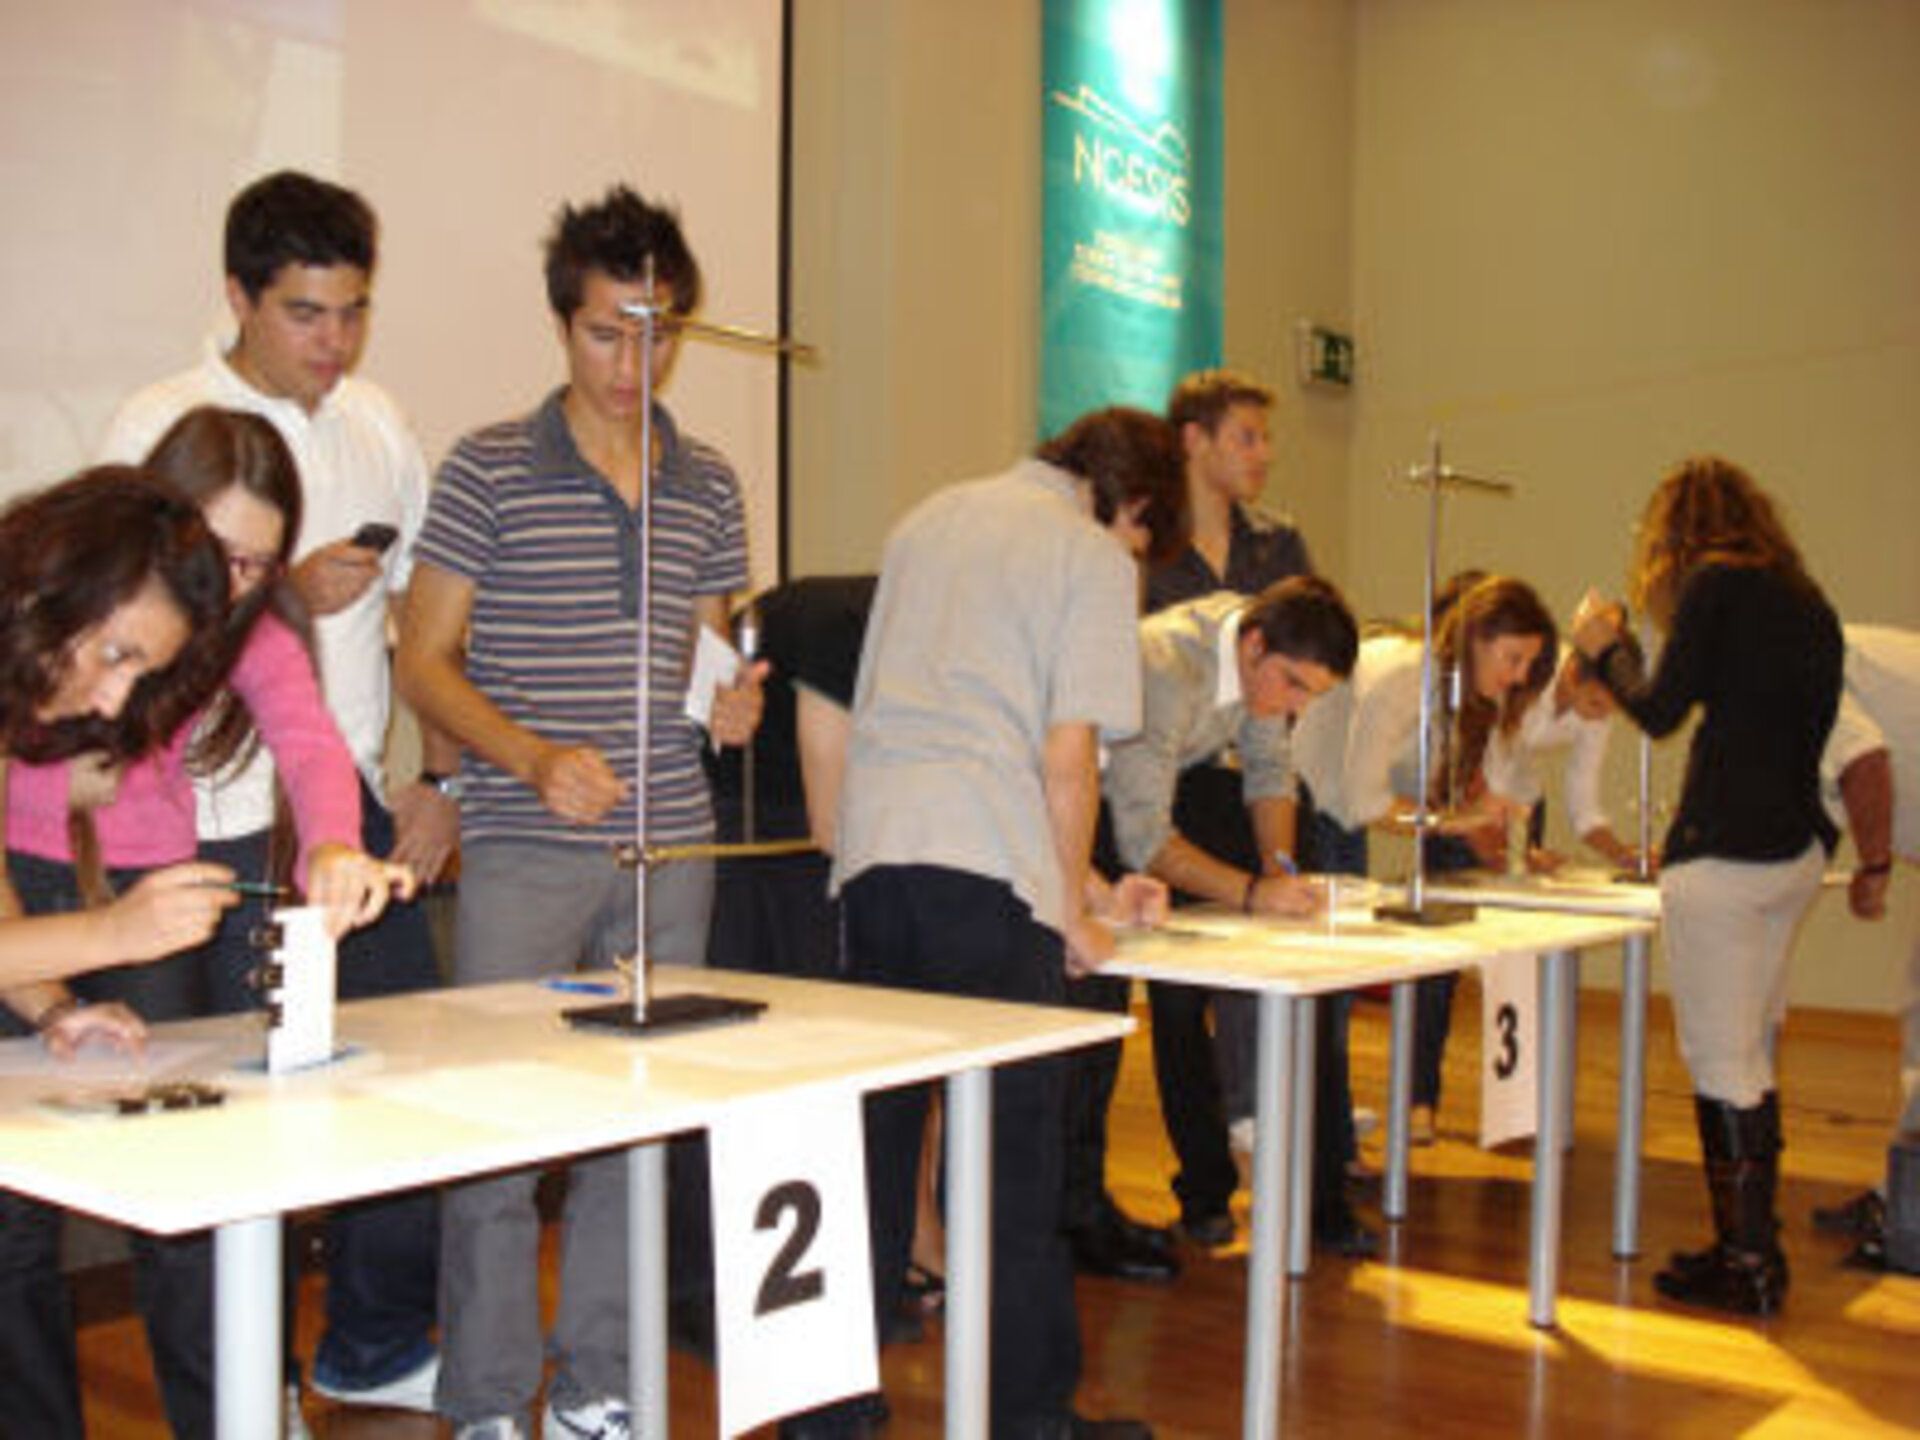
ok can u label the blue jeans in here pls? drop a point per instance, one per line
(1433, 996)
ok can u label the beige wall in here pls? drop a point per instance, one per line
(915, 241)
(916, 223)
(1591, 239)
(1581, 239)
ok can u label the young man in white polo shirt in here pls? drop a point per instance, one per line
(299, 256)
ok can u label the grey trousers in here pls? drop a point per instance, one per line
(525, 910)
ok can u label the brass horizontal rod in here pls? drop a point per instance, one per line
(712, 850)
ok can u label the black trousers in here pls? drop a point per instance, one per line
(920, 927)
(1194, 1061)
(1092, 1072)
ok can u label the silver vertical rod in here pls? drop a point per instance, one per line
(643, 721)
(1417, 891)
(1645, 865)
(749, 651)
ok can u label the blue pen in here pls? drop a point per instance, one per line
(1285, 862)
(583, 987)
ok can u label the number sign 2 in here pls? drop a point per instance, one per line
(793, 1272)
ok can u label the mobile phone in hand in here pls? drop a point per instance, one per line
(374, 536)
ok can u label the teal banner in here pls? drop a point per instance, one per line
(1132, 172)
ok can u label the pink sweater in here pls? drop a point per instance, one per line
(151, 820)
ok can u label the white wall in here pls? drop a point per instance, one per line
(127, 126)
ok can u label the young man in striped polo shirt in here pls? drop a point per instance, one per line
(522, 639)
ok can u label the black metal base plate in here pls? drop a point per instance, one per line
(666, 1015)
(1433, 913)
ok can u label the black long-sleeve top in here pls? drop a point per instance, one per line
(1761, 653)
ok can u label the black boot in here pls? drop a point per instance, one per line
(1717, 1135)
(1743, 1271)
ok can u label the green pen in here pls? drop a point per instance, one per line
(265, 889)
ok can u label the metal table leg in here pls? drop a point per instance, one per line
(647, 1287)
(969, 1122)
(247, 1340)
(1633, 1096)
(1272, 1150)
(1557, 979)
(1300, 1143)
(1393, 1198)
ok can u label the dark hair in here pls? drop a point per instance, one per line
(1489, 608)
(1707, 511)
(204, 452)
(1304, 618)
(1128, 455)
(1204, 397)
(288, 218)
(72, 555)
(617, 236)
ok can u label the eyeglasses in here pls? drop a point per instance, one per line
(245, 566)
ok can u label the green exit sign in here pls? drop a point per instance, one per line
(1326, 356)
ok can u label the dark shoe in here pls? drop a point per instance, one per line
(1117, 1248)
(1743, 1271)
(1207, 1232)
(1073, 1427)
(1345, 1236)
(1864, 1217)
(857, 1419)
(1737, 1281)
(1153, 1237)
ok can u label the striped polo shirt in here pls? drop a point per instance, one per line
(553, 554)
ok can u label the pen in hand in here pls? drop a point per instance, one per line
(266, 889)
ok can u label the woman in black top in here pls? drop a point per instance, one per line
(1753, 643)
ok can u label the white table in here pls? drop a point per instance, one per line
(455, 1083)
(1288, 964)
(1590, 892)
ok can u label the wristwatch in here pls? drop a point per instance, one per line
(451, 786)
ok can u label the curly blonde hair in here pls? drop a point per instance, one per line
(1705, 511)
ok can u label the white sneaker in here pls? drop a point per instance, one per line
(499, 1427)
(296, 1422)
(602, 1418)
(411, 1391)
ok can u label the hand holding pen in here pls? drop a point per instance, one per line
(1282, 892)
(175, 908)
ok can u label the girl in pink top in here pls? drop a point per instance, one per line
(238, 469)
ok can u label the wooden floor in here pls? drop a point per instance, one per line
(1433, 1341)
